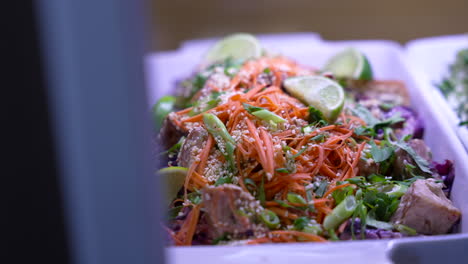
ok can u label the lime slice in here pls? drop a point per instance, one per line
(237, 46)
(161, 109)
(350, 64)
(320, 92)
(173, 179)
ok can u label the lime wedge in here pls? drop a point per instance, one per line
(161, 109)
(239, 46)
(350, 64)
(173, 179)
(320, 92)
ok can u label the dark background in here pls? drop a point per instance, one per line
(33, 222)
(400, 20)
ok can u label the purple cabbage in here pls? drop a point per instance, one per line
(412, 125)
(446, 171)
(370, 232)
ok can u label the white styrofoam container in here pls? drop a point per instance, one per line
(387, 60)
(432, 56)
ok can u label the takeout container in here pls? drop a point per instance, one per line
(388, 62)
(431, 57)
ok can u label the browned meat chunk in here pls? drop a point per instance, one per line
(425, 208)
(383, 91)
(367, 167)
(232, 211)
(193, 144)
(170, 133)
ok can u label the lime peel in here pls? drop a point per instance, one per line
(319, 92)
(241, 46)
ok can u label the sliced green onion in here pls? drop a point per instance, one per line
(216, 127)
(397, 191)
(332, 235)
(264, 114)
(296, 199)
(315, 229)
(249, 181)
(340, 213)
(225, 142)
(405, 229)
(378, 224)
(308, 129)
(282, 170)
(318, 137)
(261, 192)
(270, 219)
(283, 204)
(299, 153)
(322, 188)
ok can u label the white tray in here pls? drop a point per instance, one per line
(388, 63)
(432, 56)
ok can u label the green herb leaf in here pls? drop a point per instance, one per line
(282, 170)
(223, 237)
(322, 188)
(332, 235)
(283, 204)
(174, 212)
(299, 153)
(251, 108)
(301, 222)
(421, 162)
(194, 197)
(319, 137)
(380, 154)
(316, 115)
(296, 199)
(223, 180)
(261, 192)
(363, 113)
(364, 131)
(378, 224)
(340, 195)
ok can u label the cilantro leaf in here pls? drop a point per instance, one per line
(251, 109)
(373, 122)
(316, 115)
(422, 163)
(301, 222)
(363, 113)
(464, 123)
(380, 154)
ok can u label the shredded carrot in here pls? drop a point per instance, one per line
(278, 154)
(186, 232)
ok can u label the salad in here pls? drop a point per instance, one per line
(455, 86)
(261, 149)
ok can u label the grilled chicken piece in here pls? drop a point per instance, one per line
(367, 167)
(192, 145)
(383, 91)
(170, 133)
(425, 208)
(232, 211)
